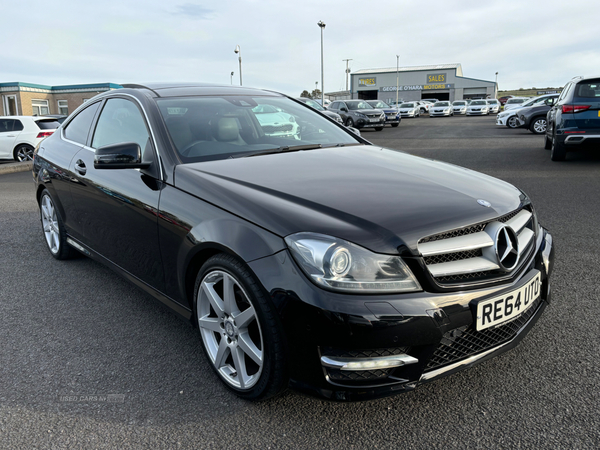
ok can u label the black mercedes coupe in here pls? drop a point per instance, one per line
(306, 256)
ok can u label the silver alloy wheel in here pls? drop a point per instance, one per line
(50, 224)
(512, 122)
(230, 329)
(539, 126)
(24, 153)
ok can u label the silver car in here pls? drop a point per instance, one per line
(494, 105)
(459, 106)
(410, 109)
(478, 108)
(441, 109)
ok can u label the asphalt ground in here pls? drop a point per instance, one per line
(89, 361)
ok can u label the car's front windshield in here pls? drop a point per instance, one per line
(407, 105)
(358, 105)
(210, 128)
(478, 102)
(379, 104)
(441, 104)
(460, 103)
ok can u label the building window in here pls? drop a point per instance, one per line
(63, 107)
(10, 105)
(40, 107)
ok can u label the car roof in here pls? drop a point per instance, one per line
(193, 89)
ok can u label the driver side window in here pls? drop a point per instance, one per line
(120, 121)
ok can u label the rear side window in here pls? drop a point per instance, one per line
(47, 124)
(77, 130)
(588, 89)
(18, 125)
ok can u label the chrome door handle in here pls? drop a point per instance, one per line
(80, 167)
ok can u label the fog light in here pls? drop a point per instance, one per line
(357, 364)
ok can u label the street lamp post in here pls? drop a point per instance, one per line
(239, 50)
(496, 87)
(347, 72)
(322, 27)
(397, 70)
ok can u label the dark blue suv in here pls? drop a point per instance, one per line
(574, 121)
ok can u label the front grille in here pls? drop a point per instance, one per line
(463, 342)
(277, 128)
(464, 259)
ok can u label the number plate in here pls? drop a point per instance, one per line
(506, 307)
(374, 120)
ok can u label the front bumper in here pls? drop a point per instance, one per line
(476, 113)
(322, 327)
(502, 120)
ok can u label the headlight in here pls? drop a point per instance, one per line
(339, 265)
(382, 116)
(361, 115)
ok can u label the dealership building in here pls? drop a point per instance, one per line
(441, 81)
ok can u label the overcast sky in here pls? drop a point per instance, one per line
(530, 43)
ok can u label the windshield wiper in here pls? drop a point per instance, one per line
(283, 149)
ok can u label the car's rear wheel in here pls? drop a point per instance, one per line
(559, 151)
(512, 122)
(349, 122)
(53, 227)
(23, 153)
(538, 126)
(240, 330)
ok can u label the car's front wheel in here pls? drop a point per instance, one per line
(395, 125)
(23, 153)
(538, 126)
(54, 228)
(512, 122)
(240, 330)
(349, 122)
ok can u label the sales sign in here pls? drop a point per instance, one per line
(436, 78)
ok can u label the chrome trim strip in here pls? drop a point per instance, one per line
(518, 222)
(579, 138)
(392, 361)
(471, 265)
(456, 244)
(524, 239)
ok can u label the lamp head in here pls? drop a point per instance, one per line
(237, 49)
(321, 24)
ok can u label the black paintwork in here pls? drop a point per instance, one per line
(157, 225)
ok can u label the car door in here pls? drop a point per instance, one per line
(118, 207)
(7, 138)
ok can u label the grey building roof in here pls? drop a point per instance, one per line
(456, 66)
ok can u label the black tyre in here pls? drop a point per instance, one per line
(558, 150)
(538, 125)
(378, 128)
(349, 122)
(239, 328)
(547, 143)
(53, 228)
(395, 125)
(512, 122)
(23, 153)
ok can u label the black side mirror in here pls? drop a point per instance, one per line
(124, 155)
(344, 109)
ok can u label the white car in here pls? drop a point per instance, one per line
(494, 105)
(410, 109)
(276, 122)
(424, 106)
(515, 102)
(19, 135)
(459, 107)
(478, 108)
(441, 109)
(509, 118)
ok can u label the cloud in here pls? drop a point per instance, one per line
(194, 10)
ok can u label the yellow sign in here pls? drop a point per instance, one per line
(367, 81)
(437, 78)
(436, 86)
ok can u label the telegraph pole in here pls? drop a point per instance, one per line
(347, 72)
